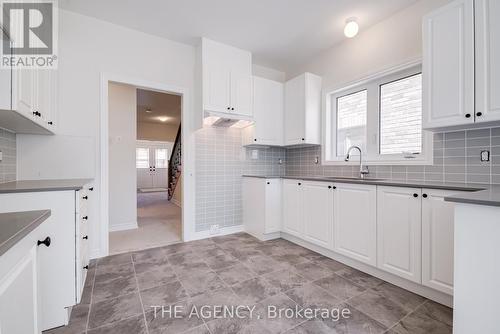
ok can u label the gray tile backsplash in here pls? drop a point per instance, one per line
(8, 149)
(456, 159)
(220, 162)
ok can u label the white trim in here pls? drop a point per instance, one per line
(187, 116)
(124, 226)
(417, 288)
(223, 231)
(352, 86)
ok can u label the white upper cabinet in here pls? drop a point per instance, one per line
(303, 110)
(355, 221)
(399, 231)
(267, 113)
(448, 65)
(318, 213)
(226, 79)
(487, 60)
(437, 240)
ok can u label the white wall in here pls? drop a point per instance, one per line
(87, 48)
(122, 115)
(389, 43)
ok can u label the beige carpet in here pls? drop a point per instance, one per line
(159, 223)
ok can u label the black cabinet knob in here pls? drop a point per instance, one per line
(255, 139)
(86, 267)
(415, 195)
(299, 184)
(86, 237)
(334, 187)
(479, 113)
(91, 188)
(268, 182)
(228, 108)
(424, 195)
(50, 123)
(85, 217)
(46, 242)
(232, 108)
(467, 115)
(303, 139)
(85, 197)
(329, 187)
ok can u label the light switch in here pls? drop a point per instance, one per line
(1, 156)
(255, 154)
(485, 156)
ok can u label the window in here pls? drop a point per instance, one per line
(351, 121)
(142, 157)
(161, 160)
(401, 116)
(383, 116)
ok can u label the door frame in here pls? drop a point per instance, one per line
(188, 184)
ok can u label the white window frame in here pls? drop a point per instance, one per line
(372, 157)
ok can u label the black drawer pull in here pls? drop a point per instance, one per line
(85, 197)
(86, 237)
(329, 187)
(46, 242)
(415, 195)
(91, 188)
(85, 217)
(467, 115)
(86, 267)
(424, 195)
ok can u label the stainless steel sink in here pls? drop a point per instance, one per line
(352, 178)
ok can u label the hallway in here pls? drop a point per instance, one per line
(159, 224)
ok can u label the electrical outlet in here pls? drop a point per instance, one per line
(485, 156)
(1, 156)
(214, 229)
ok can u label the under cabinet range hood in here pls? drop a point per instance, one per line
(226, 120)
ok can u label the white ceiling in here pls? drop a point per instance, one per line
(279, 33)
(160, 104)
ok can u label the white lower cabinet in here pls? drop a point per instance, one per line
(19, 303)
(262, 207)
(437, 240)
(399, 231)
(292, 207)
(355, 221)
(317, 203)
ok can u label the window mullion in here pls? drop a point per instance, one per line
(372, 128)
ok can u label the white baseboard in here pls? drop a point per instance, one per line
(176, 202)
(419, 289)
(222, 231)
(123, 226)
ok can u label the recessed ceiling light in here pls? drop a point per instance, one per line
(163, 118)
(351, 27)
(148, 110)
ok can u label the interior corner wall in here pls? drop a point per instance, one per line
(122, 143)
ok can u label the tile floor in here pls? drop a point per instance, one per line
(159, 223)
(240, 270)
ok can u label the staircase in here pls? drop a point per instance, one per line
(175, 164)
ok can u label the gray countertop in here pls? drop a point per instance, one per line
(472, 193)
(42, 185)
(16, 225)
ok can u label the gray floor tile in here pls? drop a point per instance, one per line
(312, 296)
(108, 273)
(312, 270)
(114, 288)
(254, 290)
(134, 325)
(421, 323)
(163, 295)
(220, 261)
(197, 284)
(198, 330)
(166, 323)
(191, 269)
(330, 264)
(270, 319)
(244, 253)
(184, 259)
(149, 260)
(404, 298)
(339, 287)
(384, 310)
(77, 322)
(235, 274)
(360, 278)
(263, 264)
(285, 279)
(159, 275)
(290, 259)
(437, 312)
(114, 259)
(237, 326)
(177, 248)
(113, 310)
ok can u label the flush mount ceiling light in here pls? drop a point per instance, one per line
(163, 118)
(148, 110)
(351, 27)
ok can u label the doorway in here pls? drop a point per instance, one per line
(144, 126)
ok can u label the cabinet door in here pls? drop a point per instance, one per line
(355, 221)
(45, 102)
(399, 231)
(241, 94)
(273, 206)
(294, 111)
(487, 60)
(448, 65)
(217, 88)
(267, 112)
(318, 213)
(437, 240)
(19, 297)
(292, 207)
(23, 99)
